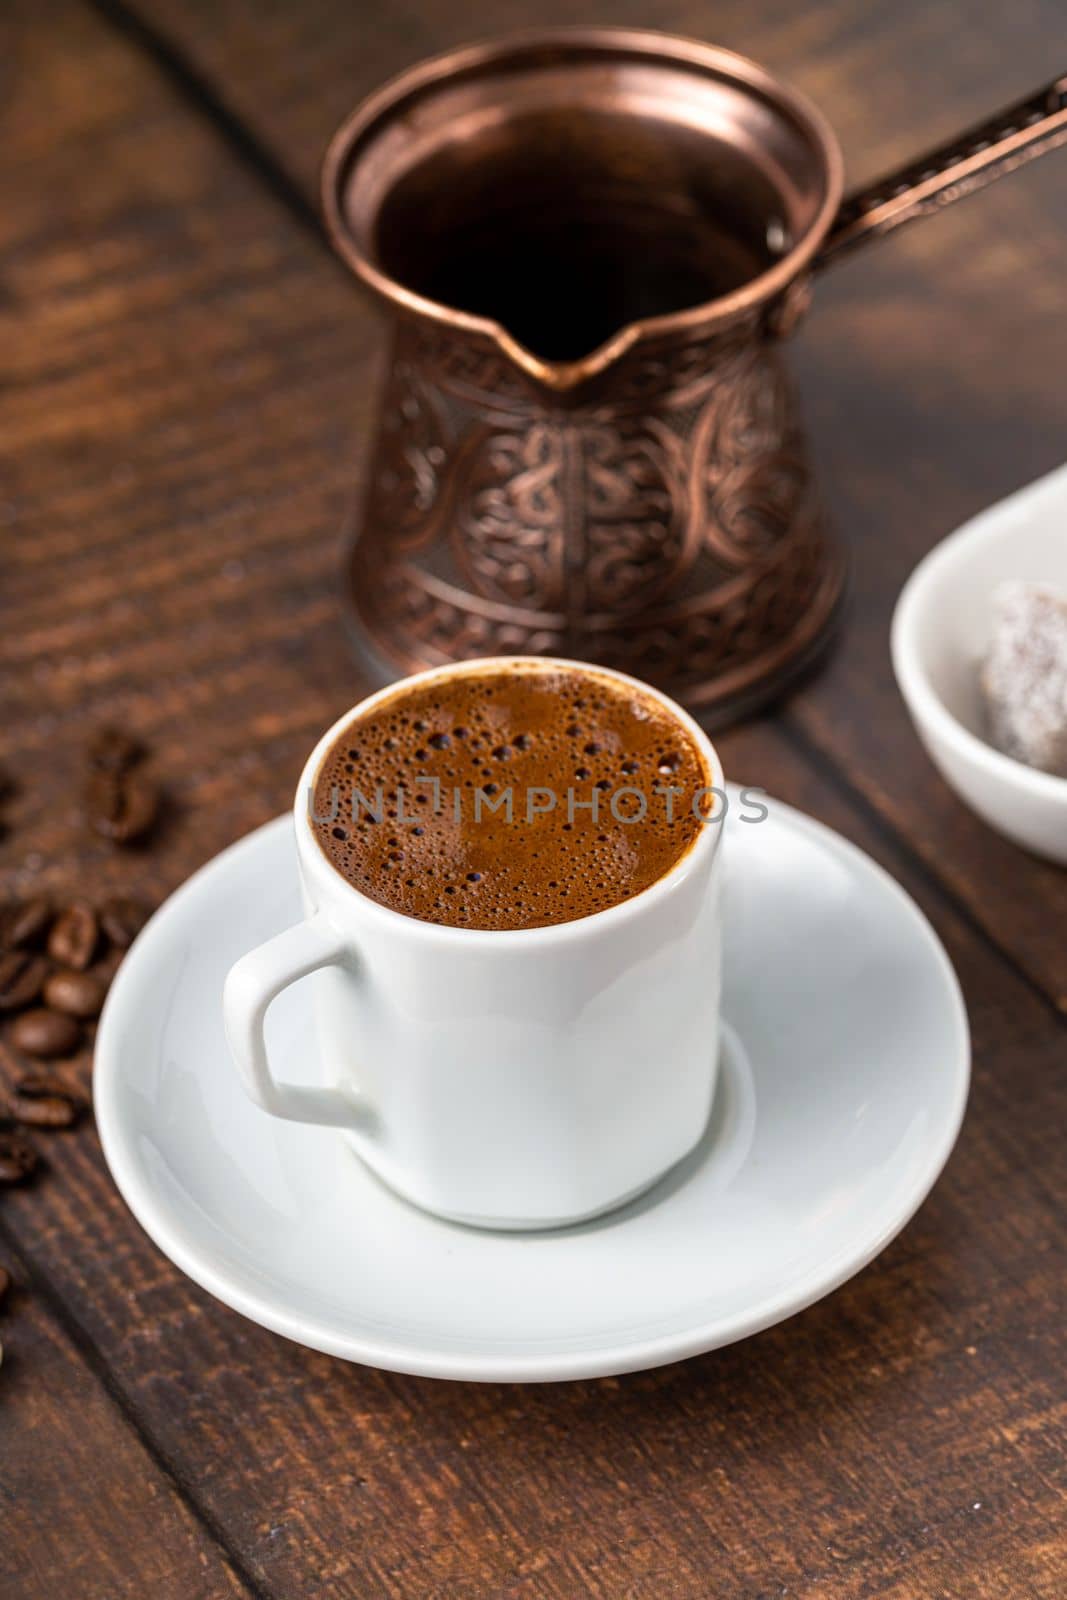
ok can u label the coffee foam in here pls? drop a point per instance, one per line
(430, 855)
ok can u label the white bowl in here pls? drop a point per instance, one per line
(941, 629)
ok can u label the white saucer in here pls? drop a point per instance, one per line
(845, 1078)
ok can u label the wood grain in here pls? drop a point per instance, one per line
(68, 1527)
(186, 375)
(931, 370)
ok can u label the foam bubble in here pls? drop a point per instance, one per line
(539, 728)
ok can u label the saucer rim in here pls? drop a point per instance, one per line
(425, 1359)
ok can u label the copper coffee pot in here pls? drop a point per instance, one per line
(593, 241)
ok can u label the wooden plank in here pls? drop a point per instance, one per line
(184, 398)
(84, 1509)
(931, 370)
(891, 76)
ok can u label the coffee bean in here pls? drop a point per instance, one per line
(103, 802)
(106, 967)
(112, 750)
(46, 1033)
(18, 1159)
(22, 975)
(74, 934)
(121, 806)
(42, 1102)
(25, 923)
(122, 920)
(5, 1283)
(78, 994)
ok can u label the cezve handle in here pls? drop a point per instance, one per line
(967, 163)
(252, 983)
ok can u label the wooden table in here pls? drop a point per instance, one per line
(186, 385)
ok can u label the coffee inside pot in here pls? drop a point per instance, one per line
(565, 225)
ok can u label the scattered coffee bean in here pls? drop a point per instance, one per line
(42, 1102)
(22, 975)
(74, 934)
(112, 750)
(121, 806)
(78, 994)
(18, 1159)
(46, 1033)
(122, 920)
(26, 923)
(5, 1283)
(106, 967)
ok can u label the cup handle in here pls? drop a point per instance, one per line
(251, 984)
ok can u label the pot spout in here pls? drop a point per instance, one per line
(563, 377)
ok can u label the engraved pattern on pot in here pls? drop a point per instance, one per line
(445, 623)
(412, 451)
(749, 453)
(677, 374)
(508, 535)
(741, 630)
(471, 369)
(674, 536)
(634, 512)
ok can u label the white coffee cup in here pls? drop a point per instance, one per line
(521, 1078)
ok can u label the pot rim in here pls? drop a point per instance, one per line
(668, 48)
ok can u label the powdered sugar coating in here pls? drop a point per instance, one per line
(1024, 677)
